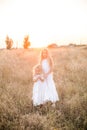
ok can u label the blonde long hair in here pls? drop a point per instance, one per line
(49, 57)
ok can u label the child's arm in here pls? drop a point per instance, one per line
(35, 78)
(50, 71)
(41, 78)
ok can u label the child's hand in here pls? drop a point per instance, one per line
(41, 78)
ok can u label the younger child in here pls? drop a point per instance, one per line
(37, 73)
(38, 80)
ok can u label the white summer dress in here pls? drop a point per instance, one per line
(38, 91)
(50, 92)
(46, 90)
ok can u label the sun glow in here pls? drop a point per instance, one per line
(45, 21)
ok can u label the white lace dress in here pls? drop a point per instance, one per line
(50, 92)
(38, 91)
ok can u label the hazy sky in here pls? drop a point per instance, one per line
(46, 21)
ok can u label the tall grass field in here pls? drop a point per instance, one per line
(16, 85)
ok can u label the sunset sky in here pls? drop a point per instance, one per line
(45, 21)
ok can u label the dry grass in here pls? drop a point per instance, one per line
(70, 75)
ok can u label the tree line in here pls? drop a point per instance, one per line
(9, 42)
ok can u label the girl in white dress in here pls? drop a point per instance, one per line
(38, 79)
(50, 92)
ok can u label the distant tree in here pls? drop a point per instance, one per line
(9, 42)
(26, 42)
(53, 45)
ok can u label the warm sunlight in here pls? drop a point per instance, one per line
(45, 21)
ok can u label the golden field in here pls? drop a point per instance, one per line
(16, 85)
